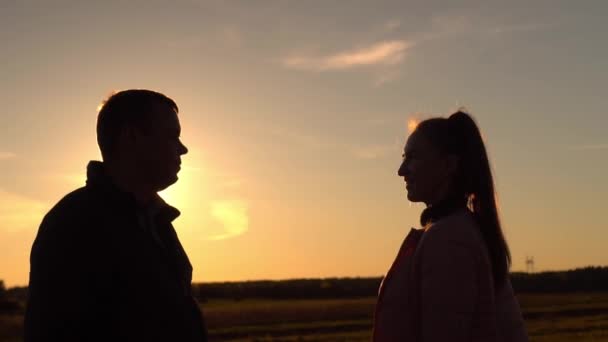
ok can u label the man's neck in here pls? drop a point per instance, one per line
(128, 181)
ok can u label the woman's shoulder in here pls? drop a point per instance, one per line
(454, 242)
(459, 228)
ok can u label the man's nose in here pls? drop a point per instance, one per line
(182, 148)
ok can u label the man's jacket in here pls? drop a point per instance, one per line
(103, 269)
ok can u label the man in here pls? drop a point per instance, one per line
(106, 264)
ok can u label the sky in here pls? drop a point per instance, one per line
(296, 113)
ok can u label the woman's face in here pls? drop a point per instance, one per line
(425, 170)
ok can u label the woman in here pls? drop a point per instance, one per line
(450, 280)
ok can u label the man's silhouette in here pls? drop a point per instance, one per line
(106, 264)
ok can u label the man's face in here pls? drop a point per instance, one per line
(158, 149)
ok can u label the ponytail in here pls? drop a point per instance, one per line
(460, 136)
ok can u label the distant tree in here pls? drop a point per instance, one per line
(587, 279)
(2, 289)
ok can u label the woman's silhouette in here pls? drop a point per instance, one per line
(450, 280)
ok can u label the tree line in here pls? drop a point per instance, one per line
(588, 279)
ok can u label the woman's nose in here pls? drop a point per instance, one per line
(402, 170)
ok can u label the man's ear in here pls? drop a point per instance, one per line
(129, 134)
(128, 139)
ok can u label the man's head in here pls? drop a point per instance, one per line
(138, 131)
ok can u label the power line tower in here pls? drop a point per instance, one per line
(529, 264)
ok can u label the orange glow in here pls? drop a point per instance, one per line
(412, 123)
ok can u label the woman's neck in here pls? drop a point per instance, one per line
(442, 208)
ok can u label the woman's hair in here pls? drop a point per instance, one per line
(459, 135)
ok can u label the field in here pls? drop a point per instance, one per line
(549, 317)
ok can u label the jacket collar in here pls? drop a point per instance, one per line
(98, 180)
(442, 209)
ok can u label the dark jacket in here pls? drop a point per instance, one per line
(97, 274)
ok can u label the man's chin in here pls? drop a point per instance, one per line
(412, 197)
(172, 180)
(167, 183)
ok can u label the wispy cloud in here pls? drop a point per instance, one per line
(18, 212)
(588, 147)
(7, 155)
(232, 215)
(386, 55)
(383, 53)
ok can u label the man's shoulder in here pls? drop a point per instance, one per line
(75, 203)
(73, 210)
(68, 225)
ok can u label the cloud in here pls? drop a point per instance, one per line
(589, 147)
(383, 53)
(232, 215)
(19, 212)
(7, 155)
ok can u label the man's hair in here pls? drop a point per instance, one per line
(133, 108)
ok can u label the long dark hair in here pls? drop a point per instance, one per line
(459, 135)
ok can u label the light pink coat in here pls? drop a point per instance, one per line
(445, 292)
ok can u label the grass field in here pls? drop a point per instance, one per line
(549, 317)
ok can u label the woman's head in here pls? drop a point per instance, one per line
(445, 158)
(427, 169)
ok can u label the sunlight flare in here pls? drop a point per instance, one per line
(233, 216)
(412, 123)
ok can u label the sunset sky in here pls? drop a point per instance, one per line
(296, 113)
